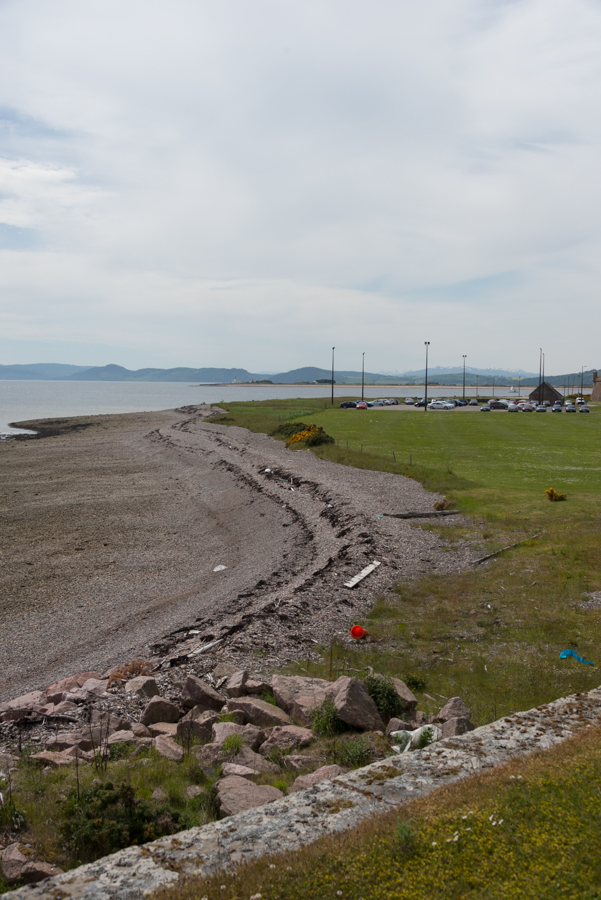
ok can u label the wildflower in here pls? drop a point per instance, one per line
(256, 897)
(434, 843)
(500, 822)
(272, 865)
(490, 818)
(339, 893)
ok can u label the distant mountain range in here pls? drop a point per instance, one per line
(306, 375)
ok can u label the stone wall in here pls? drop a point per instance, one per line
(326, 808)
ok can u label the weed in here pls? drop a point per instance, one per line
(325, 721)
(130, 670)
(415, 682)
(425, 739)
(383, 692)
(406, 835)
(352, 753)
(268, 697)
(232, 744)
(226, 717)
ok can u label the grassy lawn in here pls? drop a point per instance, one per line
(530, 829)
(492, 634)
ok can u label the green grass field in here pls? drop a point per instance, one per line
(491, 634)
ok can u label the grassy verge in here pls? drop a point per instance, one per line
(491, 634)
(530, 829)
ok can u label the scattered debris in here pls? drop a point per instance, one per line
(219, 568)
(424, 515)
(503, 549)
(565, 653)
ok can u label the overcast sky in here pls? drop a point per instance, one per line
(247, 183)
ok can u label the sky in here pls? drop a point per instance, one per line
(248, 184)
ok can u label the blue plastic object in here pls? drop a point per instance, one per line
(565, 653)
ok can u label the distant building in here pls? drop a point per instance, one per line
(596, 395)
(545, 391)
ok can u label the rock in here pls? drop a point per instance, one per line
(168, 728)
(354, 705)
(19, 864)
(408, 699)
(297, 763)
(108, 722)
(223, 670)
(197, 723)
(250, 734)
(159, 794)
(143, 686)
(256, 687)
(166, 747)
(299, 695)
(416, 736)
(56, 760)
(159, 710)
(234, 769)
(326, 773)
(250, 759)
(398, 725)
(209, 756)
(193, 791)
(7, 762)
(198, 693)
(77, 753)
(122, 737)
(63, 708)
(456, 725)
(212, 755)
(258, 712)
(454, 708)
(287, 737)
(140, 731)
(70, 684)
(235, 686)
(236, 794)
(63, 740)
(21, 707)
(93, 687)
(235, 715)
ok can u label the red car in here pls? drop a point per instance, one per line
(361, 405)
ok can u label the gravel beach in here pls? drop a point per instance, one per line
(113, 527)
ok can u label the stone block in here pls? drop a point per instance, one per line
(258, 712)
(326, 773)
(166, 747)
(454, 708)
(456, 725)
(354, 705)
(160, 710)
(143, 686)
(287, 737)
(198, 693)
(236, 794)
(235, 686)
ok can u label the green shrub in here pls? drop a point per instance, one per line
(226, 717)
(383, 692)
(104, 819)
(318, 438)
(232, 744)
(406, 836)
(325, 721)
(415, 682)
(425, 739)
(353, 753)
(268, 697)
(287, 429)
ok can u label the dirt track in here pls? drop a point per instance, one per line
(111, 533)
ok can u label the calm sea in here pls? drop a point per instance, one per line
(21, 401)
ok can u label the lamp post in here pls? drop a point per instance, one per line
(464, 355)
(540, 369)
(363, 377)
(333, 348)
(582, 381)
(427, 344)
(543, 381)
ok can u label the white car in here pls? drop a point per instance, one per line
(513, 407)
(409, 401)
(441, 404)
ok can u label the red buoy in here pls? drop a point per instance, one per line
(357, 632)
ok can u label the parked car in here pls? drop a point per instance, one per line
(498, 404)
(541, 408)
(348, 404)
(409, 401)
(361, 405)
(527, 407)
(421, 402)
(584, 409)
(546, 403)
(441, 404)
(580, 401)
(461, 403)
(485, 408)
(570, 407)
(557, 407)
(473, 402)
(393, 401)
(513, 407)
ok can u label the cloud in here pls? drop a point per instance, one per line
(248, 184)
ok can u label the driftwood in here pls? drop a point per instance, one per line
(503, 549)
(423, 515)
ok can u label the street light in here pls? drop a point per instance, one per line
(582, 381)
(333, 348)
(363, 377)
(427, 344)
(464, 355)
(540, 369)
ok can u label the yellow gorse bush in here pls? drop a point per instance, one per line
(301, 436)
(552, 494)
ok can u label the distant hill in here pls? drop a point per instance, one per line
(39, 371)
(454, 371)
(211, 376)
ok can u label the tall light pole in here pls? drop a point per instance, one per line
(363, 377)
(543, 381)
(540, 369)
(582, 381)
(464, 355)
(333, 348)
(427, 344)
